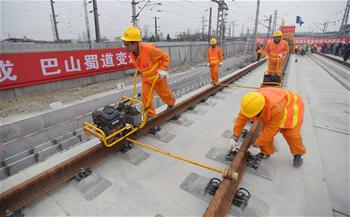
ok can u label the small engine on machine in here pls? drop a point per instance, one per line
(112, 119)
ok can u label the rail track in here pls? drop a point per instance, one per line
(41, 184)
(340, 74)
(347, 64)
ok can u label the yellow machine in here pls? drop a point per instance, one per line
(272, 78)
(114, 124)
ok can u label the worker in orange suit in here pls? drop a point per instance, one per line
(152, 63)
(280, 110)
(258, 51)
(277, 50)
(215, 59)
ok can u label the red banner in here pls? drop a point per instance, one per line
(24, 69)
(310, 40)
(288, 30)
(321, 40)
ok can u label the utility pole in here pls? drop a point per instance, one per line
(256, 25)
(220, 26)
(274, 21)
(155, 29)
(242, 31)
(325, 25)
(209, 27)
(269, 29)
(133, 17)
(233, 27)
(345, 20)
(97, 25)
(246, 43)
(52, 29)
(87, 23)
(203, 27)
(54, 20)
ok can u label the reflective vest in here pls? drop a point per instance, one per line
(273, 49)
(214, 55)
(294, 109)
(144, 62)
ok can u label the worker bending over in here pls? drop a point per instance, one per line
(277, 51)
(215, 59)
(280, 110)
(152, 63)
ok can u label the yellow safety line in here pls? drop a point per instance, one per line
(237, 85)
(173, 156)
(233, 175)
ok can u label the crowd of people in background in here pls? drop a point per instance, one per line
(338, 49)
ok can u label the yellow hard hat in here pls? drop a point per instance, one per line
(277, 33)
(131, 33)
(213, 41)
(252, 103)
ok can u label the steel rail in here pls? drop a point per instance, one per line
(335, 59)
(222, 200)
(38, 186)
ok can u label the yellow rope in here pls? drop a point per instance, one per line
(173, 156)
(225, 172)
(237, 85)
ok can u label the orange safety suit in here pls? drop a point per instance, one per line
(148, 62)
(273, 50)
(214, 58)
(284, 112)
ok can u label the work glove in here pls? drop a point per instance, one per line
(234, 142)
(220, 63)
(208, 64)
(254, 149)
(163, 74)
(280, 55)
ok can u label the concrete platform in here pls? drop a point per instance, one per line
(155, 186)
(329, 101)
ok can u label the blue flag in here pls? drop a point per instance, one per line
(299, 20)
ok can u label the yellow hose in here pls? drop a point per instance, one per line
(134, 87)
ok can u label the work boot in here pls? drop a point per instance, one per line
(297, 161)
(170, 107)
(262, 156)
(154, 130)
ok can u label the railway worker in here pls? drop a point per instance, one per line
(215, 59)
(152, 63)
(258, 51)
(280, 110)
(277, 50)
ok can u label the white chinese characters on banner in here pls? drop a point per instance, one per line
(107, 60)
(121, 57)
(74, 66)
(6, 68)
(91, 61)
(49, 63)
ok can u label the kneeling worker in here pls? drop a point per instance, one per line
(279, 110)
(215, 59)
(152, 63)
